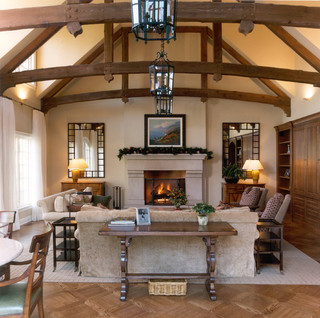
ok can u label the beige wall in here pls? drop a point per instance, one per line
(124, 124)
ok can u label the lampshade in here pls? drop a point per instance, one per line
(77, 164)
(77, 167)
(252, 165)
(158, 16)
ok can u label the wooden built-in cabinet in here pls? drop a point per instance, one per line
(304, 183)
(232, 192)
(98, 188)
(284, 158)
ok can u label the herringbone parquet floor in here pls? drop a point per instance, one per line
(234, 301)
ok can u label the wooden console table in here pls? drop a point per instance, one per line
(232, 192)
(208, 234)
(97, 187)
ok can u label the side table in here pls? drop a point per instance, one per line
(64, 229)
(269, 245)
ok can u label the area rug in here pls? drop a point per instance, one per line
(299, 269)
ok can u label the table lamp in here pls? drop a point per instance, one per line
(254, 166)
(77, 167)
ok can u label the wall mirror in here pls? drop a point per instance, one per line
(86, 140)
(241, 141)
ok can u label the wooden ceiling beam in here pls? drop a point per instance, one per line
(108, 47)
(259, 13)
(125, 58)
(204, 58)
(252, 71)
(217, 45)
(277, 101)
(296, 46)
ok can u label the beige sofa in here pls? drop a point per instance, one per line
(47, 206)
(100, 255)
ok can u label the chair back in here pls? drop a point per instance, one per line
(283, 209)
(262, 199)
(7, 218)
(39, 247)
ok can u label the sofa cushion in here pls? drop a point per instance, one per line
(250, 196)
(273, 206)
(60, 204)
(102, 199)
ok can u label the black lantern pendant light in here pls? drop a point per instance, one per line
(161, 73)
(158, 16)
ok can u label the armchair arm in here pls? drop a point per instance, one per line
(16, 279)
(21, 263)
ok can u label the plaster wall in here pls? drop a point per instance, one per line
(124, 124)
(219, 111)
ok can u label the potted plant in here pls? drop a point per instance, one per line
(232, 173)
(178, 197)
(203, 211)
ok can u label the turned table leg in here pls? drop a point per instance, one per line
(125, 243)
(211, 262)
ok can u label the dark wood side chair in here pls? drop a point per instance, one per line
(17, 298)
(7, 218)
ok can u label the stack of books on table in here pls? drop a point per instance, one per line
(121, 222)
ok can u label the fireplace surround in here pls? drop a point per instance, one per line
(138, 166)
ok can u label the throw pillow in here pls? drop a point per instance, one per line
(75, 207)
(60, 204)
(88, 197)
(273, 206)
(250, 196)
(103, 200)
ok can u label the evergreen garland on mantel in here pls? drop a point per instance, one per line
(165, 150)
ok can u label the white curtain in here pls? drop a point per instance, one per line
(8, 189)
(39, 162)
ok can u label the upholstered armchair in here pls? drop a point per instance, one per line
(276, 208)
(253, 197)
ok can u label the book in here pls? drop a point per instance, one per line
(121, 226)
(123, 221)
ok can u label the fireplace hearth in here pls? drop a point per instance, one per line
(159, 184)
(157, 191)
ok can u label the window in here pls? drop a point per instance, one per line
(23, 162)
(28, 65)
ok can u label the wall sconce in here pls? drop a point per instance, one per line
(309, 92)
(254, 166)
(22, 94)
(77, 167)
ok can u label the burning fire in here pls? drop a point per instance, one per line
(161, 189)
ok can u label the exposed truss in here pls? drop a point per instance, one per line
(77, 12)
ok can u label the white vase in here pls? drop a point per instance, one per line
(202, 219)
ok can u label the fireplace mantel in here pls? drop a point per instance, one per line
(137, 164)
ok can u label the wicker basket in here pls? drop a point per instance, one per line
(176, 287)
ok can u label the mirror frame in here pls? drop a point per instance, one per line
(250, 127)
(99, 127)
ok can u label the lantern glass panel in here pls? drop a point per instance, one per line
(155, 15)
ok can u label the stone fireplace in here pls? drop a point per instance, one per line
(185, 169)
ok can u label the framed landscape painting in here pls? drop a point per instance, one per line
(164, 131)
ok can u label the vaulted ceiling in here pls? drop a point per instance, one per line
(202, 18)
